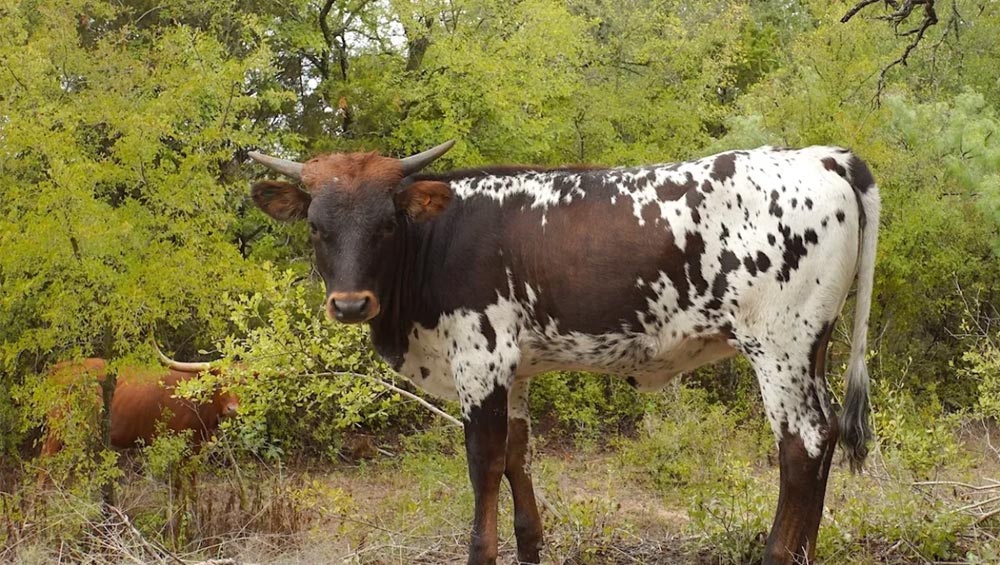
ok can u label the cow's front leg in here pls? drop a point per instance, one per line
(485, 446)
(527, 522)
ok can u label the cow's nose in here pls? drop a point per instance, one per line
(350, 308)
(353, 307)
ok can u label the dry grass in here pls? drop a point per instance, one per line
(416, 508)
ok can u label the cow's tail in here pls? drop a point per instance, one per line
(855, 429)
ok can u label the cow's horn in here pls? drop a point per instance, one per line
(414, 163)
(284, 166)
(186, 367)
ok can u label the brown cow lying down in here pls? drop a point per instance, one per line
(142, 399)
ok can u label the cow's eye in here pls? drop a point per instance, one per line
(388, 229)
(313, 229)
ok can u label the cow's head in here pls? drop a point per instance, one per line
(355, 204)
(226, 402)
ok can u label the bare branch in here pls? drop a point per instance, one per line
(451, 419)
(861, 6)
(902, 11)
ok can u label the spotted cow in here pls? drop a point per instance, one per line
(474, 281)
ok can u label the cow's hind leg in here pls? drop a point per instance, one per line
(793, 386)
(527, 522)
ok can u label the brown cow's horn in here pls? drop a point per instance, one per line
(288, 168)
(179, 365)
(414, 163)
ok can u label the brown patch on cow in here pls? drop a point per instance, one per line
(424, 199)
(351, 171)
(800, 499)
(589, 285)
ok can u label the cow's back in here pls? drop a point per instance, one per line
(642, 271)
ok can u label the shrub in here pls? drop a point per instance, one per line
(920, 434)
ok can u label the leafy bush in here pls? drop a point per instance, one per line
(920, 434)
(303, 382)
(877, 514)
(680, 449)
(732, 519)
(587, 406)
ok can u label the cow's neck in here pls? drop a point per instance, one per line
(402, 295)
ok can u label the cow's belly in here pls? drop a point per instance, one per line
(648, 361)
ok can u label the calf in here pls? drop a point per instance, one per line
(474, 281)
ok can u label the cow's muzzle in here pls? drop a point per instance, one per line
(352, 307)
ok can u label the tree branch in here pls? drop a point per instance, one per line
(903, 10)
(861, 6)
(327, 36)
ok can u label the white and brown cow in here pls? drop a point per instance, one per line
(474, 281)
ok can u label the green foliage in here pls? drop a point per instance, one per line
(919, 434)
(868, 514)
(680, 447)
(119, 197)
(302, 381)
(589, 406)
(123, 179)
(732, 519)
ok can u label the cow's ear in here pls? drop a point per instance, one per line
(281, 200)
(423, 199)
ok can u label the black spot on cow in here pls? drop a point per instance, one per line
(763, 262)
(424, 372)
(724, 167)
(719, 287)
(840, 216)
(750, 265)
(726, 330)
(775, 210)
(770, 238)
(694, 248)
(831, 164)
(809, 203)
(729, 261)
(794, 250)
(861, 175)
(725, 232)
(632, 382)
(694, 199)
(670, 190)
(707, 187)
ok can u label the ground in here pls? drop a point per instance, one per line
(666, 495)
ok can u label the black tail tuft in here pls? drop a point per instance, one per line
(855, 428)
